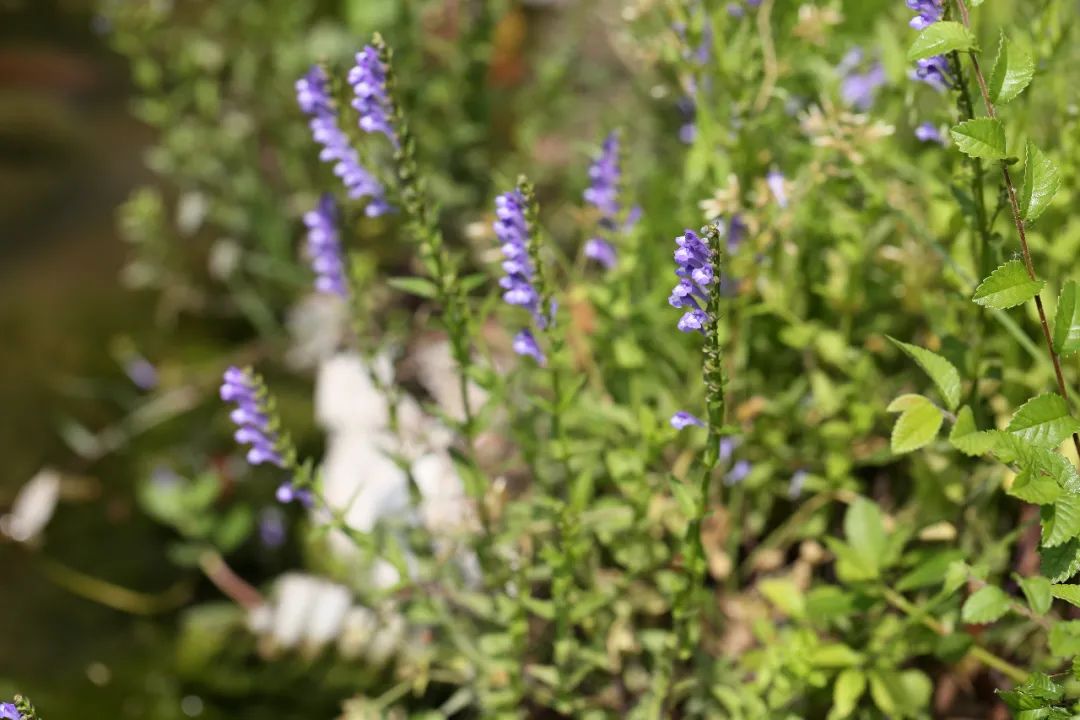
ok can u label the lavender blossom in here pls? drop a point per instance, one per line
(313, 96)
(738, 473)
(695, 270)
(8, 711)
(929, 12)
(683, 419)
(250, 415)
(512, 230)
(287, 493)
(934, 71)
(928, 132)
(859, 88)
(777, 186)
(141, 372)
(602, 252)
(726, 448)
(372, 101)
(525, 344)
(324, 248)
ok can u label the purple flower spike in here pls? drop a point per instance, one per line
(602, 252)
(314, 99)
(525, 344)
(8, 711)
(683, 419)
(929, 12)
(372, 101)
(604, 175)
(928, 132)
(512, 230)
(241, 389)
(324, 248)
(695, 271)
(934, 71)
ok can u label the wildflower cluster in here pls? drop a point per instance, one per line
(519, 283)
(928, 13)
(695, 270)
(313, 96)
(368, 81)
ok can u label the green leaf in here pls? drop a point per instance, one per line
(835, 655)
(864, 529)
(985, 605)
(1037, 592)
(940, 370)
(1013, 70)
(917, 425)
(850, 686)
(1041, 183)
(421, 287)
(1034, 487)
(931, 571)
(1061, 521)
(1062, 562)
(1007, 287)
(1065, 638)
(981, 138)
(1067, 320)
(1044, 421)
(900, 694)
(940, 38)
(968, 439)
(1068, 593)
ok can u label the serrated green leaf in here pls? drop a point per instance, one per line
(1036, 591)
(1013, 70)
(1041, 183)
(985, 605)
(1035, 488)
(1043, 421)
(1007, 287)
(1067, 320)
(940, 38)
(981, 138)
(940, 370)
(1061, 521)
(1060, 563)
(1068, 593)
(917, 425)
(967, 438)
(850, 686)
(1065, 638)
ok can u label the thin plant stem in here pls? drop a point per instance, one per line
(1018, 221)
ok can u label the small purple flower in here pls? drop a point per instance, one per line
(602, 252)
(250, 415)
(287, 493)
(735, 10)
(8, 711)
(695, 270)
(929, 132)
(929, 12)
(324, 248)
(372, 101)
(726, 448)
(777, 186)
(795, 486)
(314, 99)
(738, 473)
(683, 419)
(525, 344)
(859, 88)
(934, 71)
(272, 527)
(141, 372)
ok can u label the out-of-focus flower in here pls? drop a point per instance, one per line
(241, 388)
(814, 23)
(777, 186)
(934, 71)
(324, 248)
(601, 251)
(847, 133)
(368, 80)
(724, 201)
(928, 132)
(33, 507)
(525, 344)
(141, 372)
(314, 99)
(272, 527)
(8, 711)
(683, 419)
(604, 176)
(738, 473)
(795, 486)
(858, 88)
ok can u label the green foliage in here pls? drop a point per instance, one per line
(1041, 183)
(940, 38)
(1007, 287)
(981, 138)
(1012, 72)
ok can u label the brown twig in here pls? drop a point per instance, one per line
(1018, 221)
